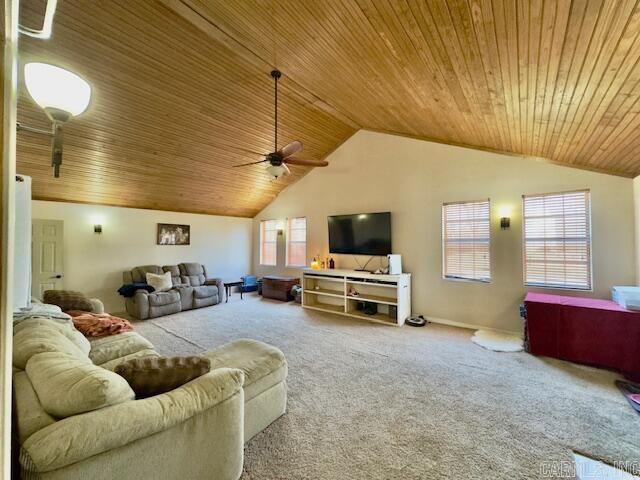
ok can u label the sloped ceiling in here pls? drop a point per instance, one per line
(182, 91)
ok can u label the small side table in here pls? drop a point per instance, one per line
(229, 285)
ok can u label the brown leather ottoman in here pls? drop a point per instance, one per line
(278, 288)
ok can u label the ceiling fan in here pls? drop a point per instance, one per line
(278, 159)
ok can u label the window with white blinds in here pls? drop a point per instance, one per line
(269, 242)
(297, 242)
(466, 241)
(557, 240)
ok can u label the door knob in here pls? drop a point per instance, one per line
(57, 276)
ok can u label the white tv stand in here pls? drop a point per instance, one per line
(328, 291)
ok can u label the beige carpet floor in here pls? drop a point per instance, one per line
(368, 401)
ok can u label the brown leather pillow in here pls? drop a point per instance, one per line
(67, 300)
(149, 376)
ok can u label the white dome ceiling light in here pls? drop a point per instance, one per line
(62, 95)
(277, 170)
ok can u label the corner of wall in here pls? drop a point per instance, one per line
(636, 208)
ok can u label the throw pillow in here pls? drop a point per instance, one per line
(67, 386)
(67, 300)
(149, 376)
(161, 283)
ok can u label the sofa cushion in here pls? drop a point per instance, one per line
(205, 296)
(66, 328)
(186, 297)
(151, 376)
(67, 300)
(160, 283)
(158, 299)
(194, 272)
(174, 271)
(150, 427)
(112, 364)
(205, 291)
(139, 274)
(105, 349)
(32, 341)
(67, 386)
(159, 311)
(29, 414)
(263, 365)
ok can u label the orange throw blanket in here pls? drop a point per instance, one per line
(99, 324)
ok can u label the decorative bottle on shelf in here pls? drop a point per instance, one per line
(314, 264)
(332, 264)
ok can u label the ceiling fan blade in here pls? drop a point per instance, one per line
(290, 149)
(252, 163)
(310, 163)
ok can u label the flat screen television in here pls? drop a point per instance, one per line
(360, 234)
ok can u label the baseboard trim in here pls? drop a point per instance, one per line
(470, 326)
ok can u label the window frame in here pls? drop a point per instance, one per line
(262, 242)
(590, 243)
(443, 240)
(288, 241)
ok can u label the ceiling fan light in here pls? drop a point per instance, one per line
(56, 89)
(276, 170)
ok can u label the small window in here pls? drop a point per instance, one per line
(466, 241)
(269, 242)
(297, 242)
(557, 240)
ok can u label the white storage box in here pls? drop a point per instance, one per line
(626, 297)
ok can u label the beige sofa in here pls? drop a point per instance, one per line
(191, 289)
(196, 431)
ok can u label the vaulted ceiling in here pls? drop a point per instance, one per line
(182, 89)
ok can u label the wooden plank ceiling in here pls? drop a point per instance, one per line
(181, 87)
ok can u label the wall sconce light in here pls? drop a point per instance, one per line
(505, 217)
(62, 95)
(97, 228)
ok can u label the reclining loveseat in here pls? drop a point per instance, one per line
(190, 289)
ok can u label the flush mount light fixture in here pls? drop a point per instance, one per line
(62, 95)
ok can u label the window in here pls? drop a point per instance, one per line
(269, 242)
(297, 242)
(557, 240)
(466, 240)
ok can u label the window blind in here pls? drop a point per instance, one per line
(557, 240)
(268, 242)
(297, 242)
(466, 240)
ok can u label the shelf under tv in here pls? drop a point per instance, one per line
(327, 290)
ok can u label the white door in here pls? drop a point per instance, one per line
(46, 256)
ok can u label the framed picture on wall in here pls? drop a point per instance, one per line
(171, 234)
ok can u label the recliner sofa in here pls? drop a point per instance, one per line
(191, 289)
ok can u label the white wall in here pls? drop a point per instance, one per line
(636, 203)
(374, 172)
(93, 263)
